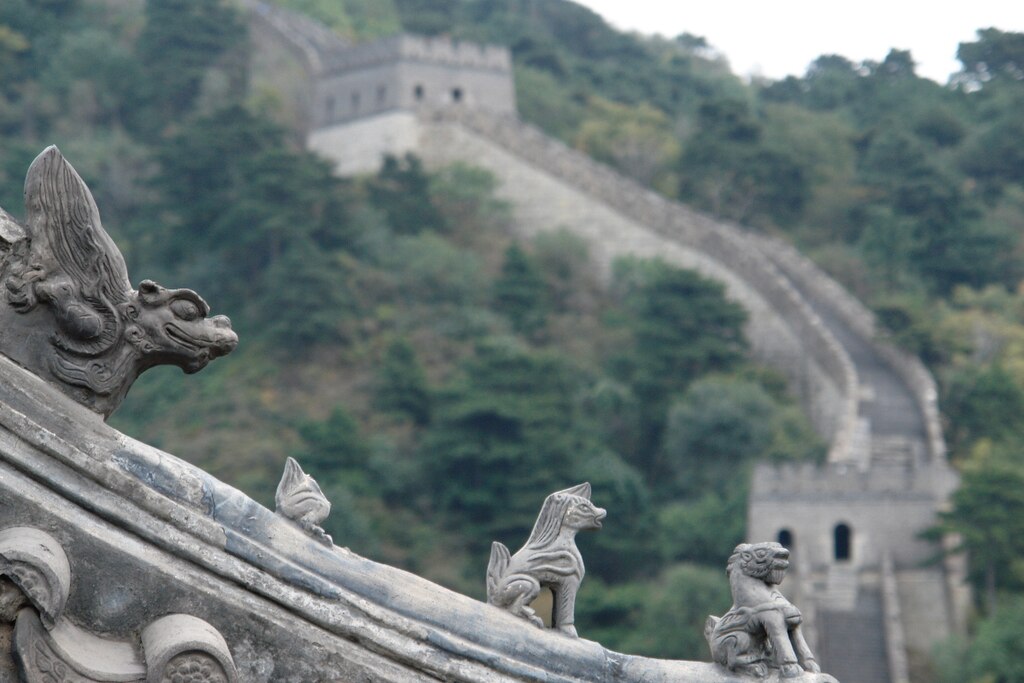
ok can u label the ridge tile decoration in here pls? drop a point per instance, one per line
(71, 314)
(300, 499)
(549, 559)
(35, 578)
(762, 630)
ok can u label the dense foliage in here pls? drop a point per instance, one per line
(439, 378)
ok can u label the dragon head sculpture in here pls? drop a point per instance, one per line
(72, 316)
(171, 327)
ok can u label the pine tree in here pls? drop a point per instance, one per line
(520, 293)
(401, 385)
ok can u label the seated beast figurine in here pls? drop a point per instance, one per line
(549, 559)
(762, 630)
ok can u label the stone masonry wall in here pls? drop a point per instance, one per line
(910, 368)
(552, 185)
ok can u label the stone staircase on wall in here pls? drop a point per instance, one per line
(852, 644)
(841, 588)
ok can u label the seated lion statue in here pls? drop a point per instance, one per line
(762, 630)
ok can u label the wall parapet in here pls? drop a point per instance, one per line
(862, 321)
(809, 481)
(895, 640)
(440, 50)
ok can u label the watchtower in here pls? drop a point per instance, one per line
(405, 72)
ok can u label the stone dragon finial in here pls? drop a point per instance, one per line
(71, 315)
(549, 559)
(762, 630)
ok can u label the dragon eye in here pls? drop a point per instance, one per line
(185, 309)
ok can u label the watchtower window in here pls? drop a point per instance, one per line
(355, 101)
(418, 93)
(843, 536)
(382, 94)
(456, 94)
(785, 538)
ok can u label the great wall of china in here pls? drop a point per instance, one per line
(854, 521)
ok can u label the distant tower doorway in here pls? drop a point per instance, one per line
(785, 539)
(842, 537)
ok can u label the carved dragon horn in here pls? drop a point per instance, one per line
(63, 220)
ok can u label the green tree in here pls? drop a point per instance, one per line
(682, 327)
(401, 189)
(520, 293)
(337, 455)
(982, 403)
(704, 529)
(503, 436)
(239, 200)
(988, 515)
(181, 40)
(714, 430)
(995, 55)
(335, 449)
(997, 652)
(726, 167)
(637, 140)
(303, 301)
(401, 385)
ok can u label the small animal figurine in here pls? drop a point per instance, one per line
(549, 559)
(300, 499)
(762, 630)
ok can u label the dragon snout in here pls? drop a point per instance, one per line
(225, 339)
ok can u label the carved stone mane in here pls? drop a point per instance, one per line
(68, 311)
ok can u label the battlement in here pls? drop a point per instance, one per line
(833, 482)
(441, 51)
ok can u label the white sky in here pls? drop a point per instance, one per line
(777, 38)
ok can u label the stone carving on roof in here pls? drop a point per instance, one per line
(47, 647)
(300, 499)
(761, 632)
(69, 313)
(550, 559)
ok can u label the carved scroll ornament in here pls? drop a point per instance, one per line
(48, 647)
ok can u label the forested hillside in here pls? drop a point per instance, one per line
(439, 379)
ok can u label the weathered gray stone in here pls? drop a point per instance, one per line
(762, 630)
(549, 559)
(299, 498)
(180, 647)
(71, 315)
(34, 562)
